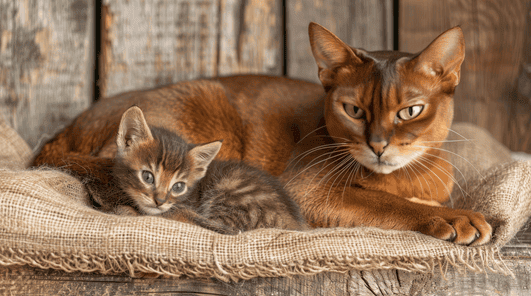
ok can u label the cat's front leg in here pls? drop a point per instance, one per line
(361, 207)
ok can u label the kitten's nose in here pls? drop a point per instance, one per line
(160, 199)
(378, 146)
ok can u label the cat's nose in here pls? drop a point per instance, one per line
(160, 199)
(378, 147)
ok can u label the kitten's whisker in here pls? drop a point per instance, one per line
(448, 151)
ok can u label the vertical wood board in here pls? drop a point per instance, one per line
(495, 34)
(46, 64)
(363, 24)
(153, 43)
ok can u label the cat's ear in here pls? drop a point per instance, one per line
(443, 57)
(202, 156)
(133, 129)
(330, 52)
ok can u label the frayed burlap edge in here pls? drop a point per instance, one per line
(479, 260)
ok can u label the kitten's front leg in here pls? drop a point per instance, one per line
(184, 214)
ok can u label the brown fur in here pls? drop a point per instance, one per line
(271, 122)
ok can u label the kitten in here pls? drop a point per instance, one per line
(159, 171)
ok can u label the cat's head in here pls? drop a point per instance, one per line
(154, 166)
(390, 107)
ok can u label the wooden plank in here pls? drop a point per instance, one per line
(46, 63)
(251, 37)
(363, 24)
(495, 33)
(152, 43)
(24, 280)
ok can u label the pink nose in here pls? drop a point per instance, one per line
(160, 199)
(378, 147)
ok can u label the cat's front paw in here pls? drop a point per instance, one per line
(462, 227)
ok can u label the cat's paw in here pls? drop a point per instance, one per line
(462, 227)
(424, 202)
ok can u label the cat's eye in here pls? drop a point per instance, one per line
(148, 177)
(353, 111)
(410, 112)
(178, 187)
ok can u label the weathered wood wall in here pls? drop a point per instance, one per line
(495, 88)
(46, 63)
(152, 43)
(47, 48)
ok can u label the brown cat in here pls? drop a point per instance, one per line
(159, 171)
(356, 152)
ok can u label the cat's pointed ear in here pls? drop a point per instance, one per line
(133, 129)
(202, 156)
(330, 52)
(443, 57)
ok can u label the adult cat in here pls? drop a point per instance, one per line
(381, 118)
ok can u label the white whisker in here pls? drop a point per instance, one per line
(315, 149)
(448, 151)
(310, 133)
(307, 167)
(446, 187)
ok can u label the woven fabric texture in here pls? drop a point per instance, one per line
(46, 222)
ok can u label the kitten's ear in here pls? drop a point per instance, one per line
(203, 155)
(133, 129)
(444, 56)
(330, 52)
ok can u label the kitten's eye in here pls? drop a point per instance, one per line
(353, 111)
(410, 112)
(178, 187)
(148, 177)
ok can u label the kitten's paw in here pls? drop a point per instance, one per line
(462, 227)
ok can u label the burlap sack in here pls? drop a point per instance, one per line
(46, 223)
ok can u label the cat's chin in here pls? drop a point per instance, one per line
(383, 168)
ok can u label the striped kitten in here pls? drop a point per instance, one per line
(159, 171)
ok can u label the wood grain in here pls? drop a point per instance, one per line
(496, 57)
(25, 280)
(363, 24)
(153, 43)
(46, 63)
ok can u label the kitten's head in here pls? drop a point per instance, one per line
(390, 107)
(155, 167)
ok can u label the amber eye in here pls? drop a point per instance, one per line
(148, 177)
(178, 187)
(353, 111)
(410, 112)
